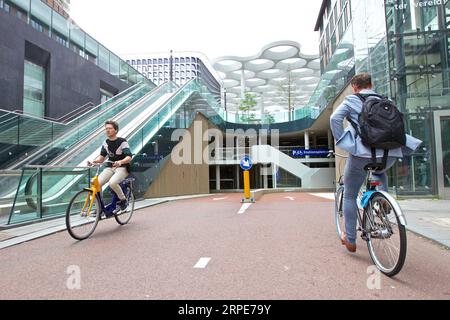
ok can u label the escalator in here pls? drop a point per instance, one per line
(22, 136)
(50, 147)
(45, 191)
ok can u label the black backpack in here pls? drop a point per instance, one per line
(381, 125)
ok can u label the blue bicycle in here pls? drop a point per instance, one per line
(87, 208)
(381, 222)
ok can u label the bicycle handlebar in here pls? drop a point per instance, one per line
(94, 165)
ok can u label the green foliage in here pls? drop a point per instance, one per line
(268, 118)
(247, 104)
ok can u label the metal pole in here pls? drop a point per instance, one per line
(247, 185)
(171, 66)
(39, 193)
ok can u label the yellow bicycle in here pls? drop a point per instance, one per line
(87, 208)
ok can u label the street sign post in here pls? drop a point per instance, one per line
(246, 165)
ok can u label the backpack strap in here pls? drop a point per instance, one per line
(378, 166)
(374, 156)
(354, 125)
(363, 97)
(385, 158)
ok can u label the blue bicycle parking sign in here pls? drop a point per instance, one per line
(246, 163)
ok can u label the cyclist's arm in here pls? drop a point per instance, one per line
(129, 156)
(101, 158)
(127, 160)
(337, 120)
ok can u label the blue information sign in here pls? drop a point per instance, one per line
(246, 163)
(317, 153)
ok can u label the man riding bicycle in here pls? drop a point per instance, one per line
(362, 155)
(118, 151)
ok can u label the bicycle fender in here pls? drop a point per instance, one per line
(366, 198)
(394, 203)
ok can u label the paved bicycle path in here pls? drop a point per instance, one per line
(283, 247)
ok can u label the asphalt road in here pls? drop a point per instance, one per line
(283, 247)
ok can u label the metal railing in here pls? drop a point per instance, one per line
(64, 119)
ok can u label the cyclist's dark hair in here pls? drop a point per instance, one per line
(362, 81)
(113, 123)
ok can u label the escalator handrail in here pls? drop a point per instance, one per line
(49, 145)
(84, 141)
(180, 89)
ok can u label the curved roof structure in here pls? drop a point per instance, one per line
(279, 71)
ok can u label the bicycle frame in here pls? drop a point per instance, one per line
(96, 192)
(365, 203)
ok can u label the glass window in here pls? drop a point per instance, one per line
(115, 65)
(22, 4)
(60, 25)
(42, 12)
(91, 46)
(103, 58)
(36, 25)
(7, 8)
(77, 36)
(124, 71)
(445, 132)
(34, 89)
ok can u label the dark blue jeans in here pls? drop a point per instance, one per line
(354, 178)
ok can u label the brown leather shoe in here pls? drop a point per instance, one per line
(350, 247)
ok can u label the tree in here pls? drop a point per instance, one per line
(288, 92)
(247, 105)
(268, 118)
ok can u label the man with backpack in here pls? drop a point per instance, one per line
(375, 138)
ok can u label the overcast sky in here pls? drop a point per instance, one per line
(215, 28)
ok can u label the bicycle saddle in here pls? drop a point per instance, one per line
(374, 167)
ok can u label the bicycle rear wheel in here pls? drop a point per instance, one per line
(80, 221)
(387, 242)
(124, 217)
(339, 211)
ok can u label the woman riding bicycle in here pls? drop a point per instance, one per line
(361, 155)
(119, 153)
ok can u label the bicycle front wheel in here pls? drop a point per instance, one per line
(339, 211)
(81, 217)
(386, 235)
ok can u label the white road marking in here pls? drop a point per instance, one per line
(218, 199)
(329, 196)
(290, 198)
(244, 208)
(202, 263)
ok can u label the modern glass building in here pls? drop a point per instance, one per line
(180, 68)
(49, 65)
(405, 45)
